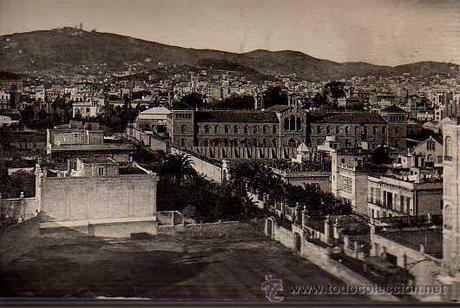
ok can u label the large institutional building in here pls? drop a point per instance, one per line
(278, 131)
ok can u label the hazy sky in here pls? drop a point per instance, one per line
(378, 31)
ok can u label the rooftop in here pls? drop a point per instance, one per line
(236, 116)
(347, 117)
(93, 147)
(431, 239)
(393, 109)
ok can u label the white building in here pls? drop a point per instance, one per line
(88, 109)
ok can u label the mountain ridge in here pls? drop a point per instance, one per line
(67, 50)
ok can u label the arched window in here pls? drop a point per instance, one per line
(347, 130)
(274, 143)
(298, 123)
(226, 128)
(256, 130)
(292, 123)
(328, 130)
(356, 130)
(236, 129)
(245, 129)
(286, 124)
(337, 130)
(182, 142)
(183, 128)
(448, 148)
(319, 129)
(274, 129)
(264, 142)
(206, 129)
(264, 129)
(216, 129)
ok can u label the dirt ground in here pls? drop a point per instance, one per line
(163, 268)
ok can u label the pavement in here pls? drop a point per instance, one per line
(163, 268)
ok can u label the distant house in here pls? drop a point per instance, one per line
(157, 119)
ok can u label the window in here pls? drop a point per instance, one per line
(265, 128)
(430, 145)
(206, 129)
(245, 129)
(216, 129)
(448, 148)
(236, 129)
(319, 129)
(347, 130)
(183, 128)
(256, 130)
(374, 130)
(100, 171)
(226, 128)
(286, 124)
(292, 123)
(182, 142)
(328, 130)
(274, 129)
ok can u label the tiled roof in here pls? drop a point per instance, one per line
(347, 117)
(393, 109)
(236, 116)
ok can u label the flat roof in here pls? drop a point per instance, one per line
(92, 147)
(430, 238)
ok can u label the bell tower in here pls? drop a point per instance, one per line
(451, 207)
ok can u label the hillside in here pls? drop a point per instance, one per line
(65, 50)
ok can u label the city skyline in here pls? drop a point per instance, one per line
(378, 32)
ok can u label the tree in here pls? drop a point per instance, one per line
(381, 156)
(179, 167)
(274, 96)
(237, 102)
(335, 89)
(189, 101)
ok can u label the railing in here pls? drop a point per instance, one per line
(407, 221)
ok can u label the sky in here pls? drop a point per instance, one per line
(386, 32)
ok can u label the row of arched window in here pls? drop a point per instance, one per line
(347, 130)
(236, 129)
(243, 142)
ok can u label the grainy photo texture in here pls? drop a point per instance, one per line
(295, 151)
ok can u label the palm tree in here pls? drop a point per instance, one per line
(179, 167)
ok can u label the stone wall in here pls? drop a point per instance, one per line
(215, 229)
(84, 198)
(209, 169)
(152, 142)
